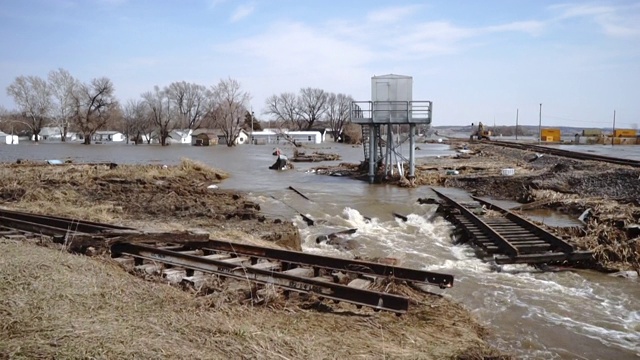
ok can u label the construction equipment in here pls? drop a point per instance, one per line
(480, 133)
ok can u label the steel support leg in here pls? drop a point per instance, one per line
(412, 151)
(372, 153)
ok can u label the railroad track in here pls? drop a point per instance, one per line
(350, 281)
(53, 225)
(566, 153)
(509, 238)
(188, 258)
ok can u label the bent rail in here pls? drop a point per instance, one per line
(527, 242)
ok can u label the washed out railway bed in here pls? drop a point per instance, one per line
(507, 238)
(566, 153)
(190, 258)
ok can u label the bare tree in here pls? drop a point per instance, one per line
(192, 102)
(62, 86)
(230, 109)
(284, 108)
(338, 107)
(33, 97)
(160, 112)
(312, 104)
(137, 122)
(93, 106)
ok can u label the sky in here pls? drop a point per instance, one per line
(476, 60)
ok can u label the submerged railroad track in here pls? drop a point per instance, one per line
(566, 153)
(190, 259)
(507, 238)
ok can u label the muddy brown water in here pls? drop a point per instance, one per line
(554, 315)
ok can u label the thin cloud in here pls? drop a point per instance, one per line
(614, 21)
(242, 12)
(392, 14)
(215, 3)
(528, 27)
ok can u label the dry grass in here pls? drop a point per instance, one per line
(96, 192)
(57, 305)
(167, 198)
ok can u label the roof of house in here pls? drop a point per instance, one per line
(107, 132)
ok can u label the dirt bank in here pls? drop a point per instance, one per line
(142, 196)
(610, 193)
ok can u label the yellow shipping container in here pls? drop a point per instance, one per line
(624, 133)
(550, 135)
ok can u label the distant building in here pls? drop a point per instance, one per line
(242, 138)
(270, 136)
(108, 136)
(204, 137)
(8, 139)
(50, 133)
(180, 136)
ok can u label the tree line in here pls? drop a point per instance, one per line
(309, 107)
(69, 104)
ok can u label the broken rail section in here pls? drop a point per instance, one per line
(509, 238)
(192, 255)
(337, 279)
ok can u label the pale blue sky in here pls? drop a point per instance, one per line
(476, 60)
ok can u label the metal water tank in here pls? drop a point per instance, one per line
(391, 95)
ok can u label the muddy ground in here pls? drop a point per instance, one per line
(610, 192)
(149, 197)
(57, 305)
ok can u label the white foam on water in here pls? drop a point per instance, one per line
(564, 300)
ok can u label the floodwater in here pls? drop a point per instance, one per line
(554, 315)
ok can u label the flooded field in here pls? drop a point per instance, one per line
(557, 315)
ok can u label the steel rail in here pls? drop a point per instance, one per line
(545, 235)
(53, 225)
(338, 292)
(353, 266)
(567, 153)
(504, 244)
(535, 244)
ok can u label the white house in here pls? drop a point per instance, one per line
(180, 136)
(8, 139)
(108, 136)
(313, 137)
(270, 136)
(50, 133)
(242, 138)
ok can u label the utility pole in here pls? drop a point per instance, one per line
(613, 131)
(517, 111)
(540, 125)
(251, 136)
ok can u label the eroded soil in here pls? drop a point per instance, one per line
(149, 197)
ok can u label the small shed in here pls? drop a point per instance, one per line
(550, 135)
(204, 139)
